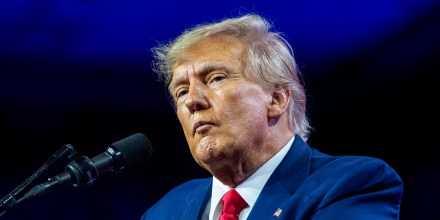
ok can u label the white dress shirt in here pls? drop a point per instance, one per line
(250, 189)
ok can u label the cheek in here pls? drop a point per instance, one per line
(185, 123)
(184, 117)
(247, 111)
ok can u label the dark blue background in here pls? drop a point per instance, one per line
(79, 72)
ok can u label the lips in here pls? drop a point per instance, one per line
(199, 125)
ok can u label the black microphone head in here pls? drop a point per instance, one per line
(134, 149)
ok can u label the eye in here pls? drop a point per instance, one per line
(180, 92)
(216, 78)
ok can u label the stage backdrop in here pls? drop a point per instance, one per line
(79, 73)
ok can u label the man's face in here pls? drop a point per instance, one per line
(223, 112)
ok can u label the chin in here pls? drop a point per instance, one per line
(211, 161)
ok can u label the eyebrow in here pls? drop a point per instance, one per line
(175, 83)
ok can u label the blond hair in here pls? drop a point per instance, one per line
(269, 58)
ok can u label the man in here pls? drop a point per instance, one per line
(239, 99)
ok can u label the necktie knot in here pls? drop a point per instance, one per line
(233, 203)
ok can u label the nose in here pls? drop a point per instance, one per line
(196, 99)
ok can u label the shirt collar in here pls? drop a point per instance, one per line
(251, 188)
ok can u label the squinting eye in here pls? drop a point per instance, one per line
(181, 92)
(217, 78)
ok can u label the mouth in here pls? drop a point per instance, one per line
(201, 126)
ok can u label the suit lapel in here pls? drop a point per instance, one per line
(196, 201)
(287, 177)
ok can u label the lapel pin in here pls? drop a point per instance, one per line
(277, 213)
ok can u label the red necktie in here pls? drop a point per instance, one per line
(233, 203)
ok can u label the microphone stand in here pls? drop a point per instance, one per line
(62, 156)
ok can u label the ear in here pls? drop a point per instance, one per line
(279, 102)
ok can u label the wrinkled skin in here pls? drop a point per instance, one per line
(232, 124)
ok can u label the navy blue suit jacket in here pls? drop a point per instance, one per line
(306, 185)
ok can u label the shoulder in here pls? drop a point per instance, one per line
(353, 167)
(343, 181)
(349, 187)
(191, 188)
(180, 200)
(320, 164)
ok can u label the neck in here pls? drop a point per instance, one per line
(242, 167)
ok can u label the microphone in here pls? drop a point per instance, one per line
(62, 156)
(83, 172)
